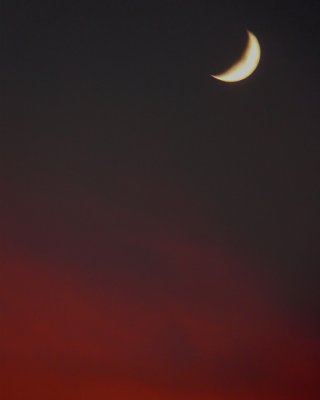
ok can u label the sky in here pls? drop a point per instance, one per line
(159, 228)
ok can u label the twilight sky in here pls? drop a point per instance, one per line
(159, 230)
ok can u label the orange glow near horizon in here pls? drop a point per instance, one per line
(63, 339)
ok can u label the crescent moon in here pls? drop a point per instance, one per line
(247, 63)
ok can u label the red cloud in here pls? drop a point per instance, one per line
(133, 308)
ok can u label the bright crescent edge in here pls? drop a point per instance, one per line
(247, 63)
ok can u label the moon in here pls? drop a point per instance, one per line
(247, 63)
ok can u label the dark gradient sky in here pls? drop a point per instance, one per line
(159, 234)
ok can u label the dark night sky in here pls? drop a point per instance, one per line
(159, 229)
